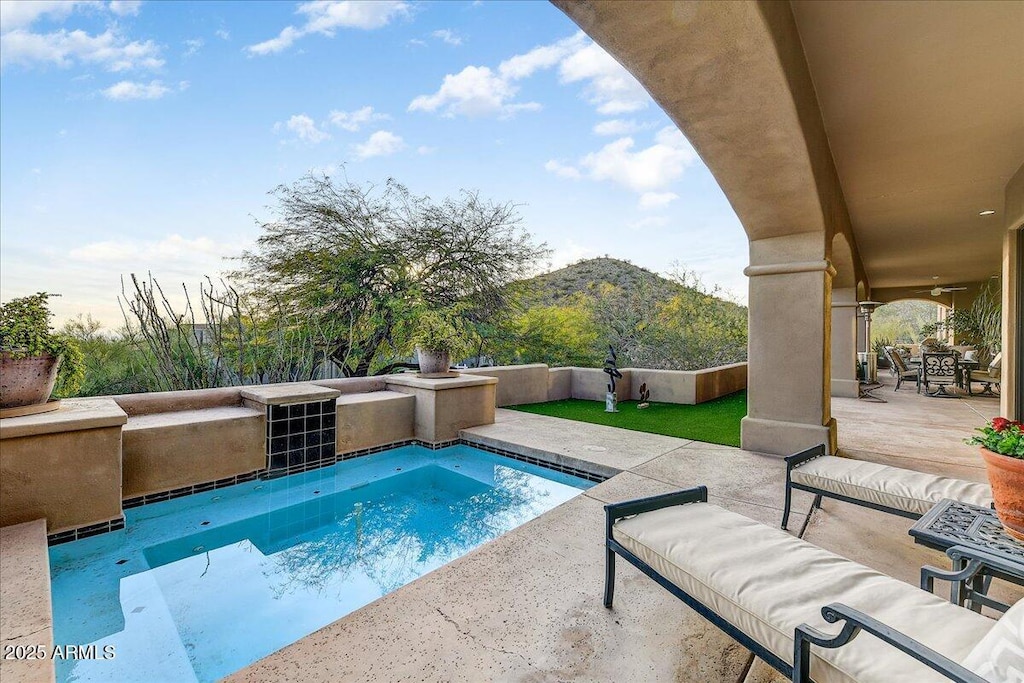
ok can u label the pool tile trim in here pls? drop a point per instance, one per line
(85, 531)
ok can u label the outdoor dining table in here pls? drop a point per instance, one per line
(951, 523)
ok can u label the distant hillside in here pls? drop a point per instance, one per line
(586, 277)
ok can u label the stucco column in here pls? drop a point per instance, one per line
(844, 342)
(788, 391)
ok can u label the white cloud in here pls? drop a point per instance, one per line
(617, 127)
(130, 253)
(124, 8)
(448, 36)
(326, 16)
(14, 15)
(131, 90)
(609, 86)
(643, 170)
(381, 143)
(416, 42)
(63, 48)
(483, 91)
(571, 252)
(656, 200)
(354, 120)
(223, 34)
(649, 222)
(192, 46)
(474, 91)
(561, 170)
(543, 57)
(425, 150)
(305, 129)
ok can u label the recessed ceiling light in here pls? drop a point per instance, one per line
(986, 212)
(935, 277)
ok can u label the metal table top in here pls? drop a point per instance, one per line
(951, 523)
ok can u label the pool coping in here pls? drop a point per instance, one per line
(26, 612)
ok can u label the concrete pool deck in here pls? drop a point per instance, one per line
(527, 606)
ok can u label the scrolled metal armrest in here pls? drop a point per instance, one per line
(976, 559)
(855, 622)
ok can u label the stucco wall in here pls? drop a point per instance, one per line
(166, 451)
(72, 479)
(559, 384)
(170, 401)
(353, 385)
(517, 384)
(374, 419)
(591, 384)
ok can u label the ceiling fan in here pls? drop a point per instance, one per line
(936, 291)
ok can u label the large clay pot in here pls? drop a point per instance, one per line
(26, 381)
(1006, 475)
(433, 362)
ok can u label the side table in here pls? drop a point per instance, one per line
(951, 523)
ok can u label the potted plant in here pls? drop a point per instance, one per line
(879, 347)
(439, 336)
(1002, 447)
(32, 357)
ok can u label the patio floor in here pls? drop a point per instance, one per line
(527, 607)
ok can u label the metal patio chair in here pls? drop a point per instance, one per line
(901, 371)
(940, 369)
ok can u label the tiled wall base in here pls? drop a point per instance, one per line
(114, 525)
(85, 531)
(128, 503)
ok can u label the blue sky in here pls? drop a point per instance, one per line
(143, 137)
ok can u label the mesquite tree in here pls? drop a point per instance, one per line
(364, 261)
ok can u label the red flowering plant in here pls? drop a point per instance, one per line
(1002, 436)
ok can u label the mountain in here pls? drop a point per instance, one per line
(587, 277)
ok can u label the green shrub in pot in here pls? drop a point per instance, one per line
(25, 333)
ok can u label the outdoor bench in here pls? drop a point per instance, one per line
(181, 438)
(880, 487)
(773, 592)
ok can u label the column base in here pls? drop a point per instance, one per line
(785, 438)
(846, 388)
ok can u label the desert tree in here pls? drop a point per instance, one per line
(364, 261)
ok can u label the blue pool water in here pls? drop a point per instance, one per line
(198, 587)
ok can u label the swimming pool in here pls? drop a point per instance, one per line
(198, 587)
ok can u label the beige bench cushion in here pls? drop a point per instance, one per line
(766, 583)
(892, 487)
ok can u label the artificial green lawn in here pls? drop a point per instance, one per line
(716, 421)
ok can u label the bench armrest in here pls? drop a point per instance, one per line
(854, 622)
(800, 458)
(976, 563)
(614, 511)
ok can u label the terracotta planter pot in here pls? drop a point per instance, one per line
(26, 381)
(1006, 475)
(433, 362)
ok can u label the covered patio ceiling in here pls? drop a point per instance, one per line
(923, 104)
(914, 124)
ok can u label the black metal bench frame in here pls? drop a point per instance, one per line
(804, 635)
(797, 459)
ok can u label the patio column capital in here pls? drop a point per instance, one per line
(793, 267)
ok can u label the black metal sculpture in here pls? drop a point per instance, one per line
(611, 369)
(645, 396)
